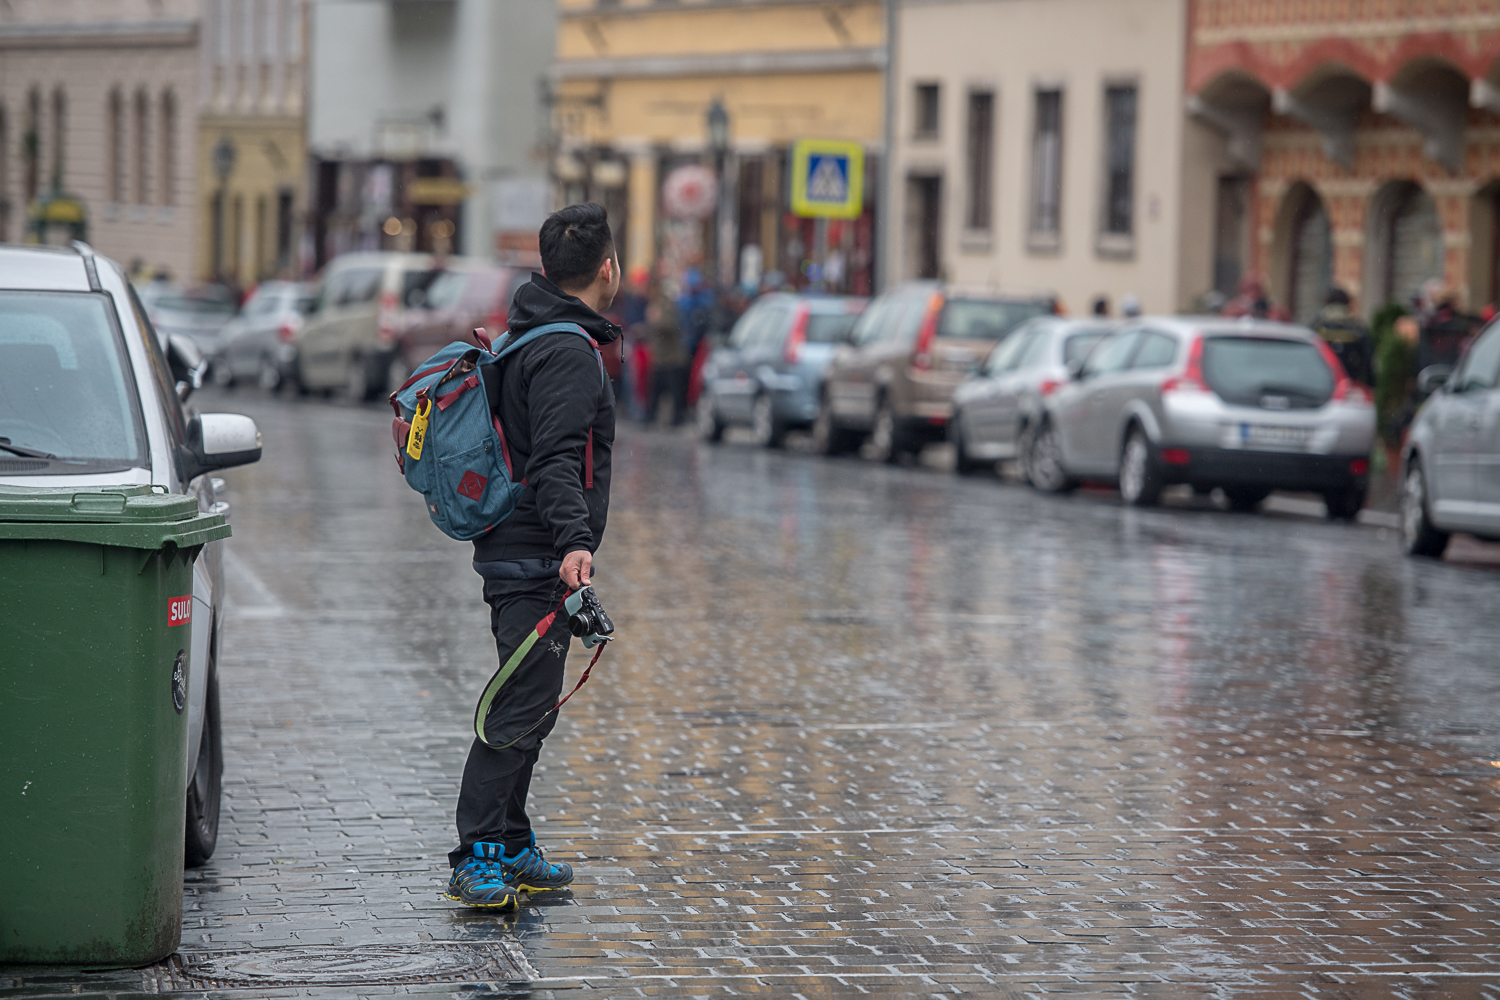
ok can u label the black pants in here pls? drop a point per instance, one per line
(492, 798)
(671, 382)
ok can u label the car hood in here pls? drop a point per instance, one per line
(126, 477)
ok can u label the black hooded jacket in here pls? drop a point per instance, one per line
(548, 395)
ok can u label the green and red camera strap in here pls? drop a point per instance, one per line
(509, 667)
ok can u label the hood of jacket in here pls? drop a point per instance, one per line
(539, 302)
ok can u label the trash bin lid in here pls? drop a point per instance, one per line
(95, 504)
(138, 517)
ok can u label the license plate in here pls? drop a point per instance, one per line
(1274, 436)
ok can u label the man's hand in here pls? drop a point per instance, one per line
(575, 568)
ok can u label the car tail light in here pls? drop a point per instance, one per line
(928, 332)
(1345, 389)
(1049, 386)
(287, 330)
(387, 316)
(1176, 456)
(794, 340)
(1359, 466)
(1191, 379)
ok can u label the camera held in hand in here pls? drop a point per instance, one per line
(586, 617)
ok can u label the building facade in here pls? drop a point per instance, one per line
(250, 149)
(634, 89)
(1039, 148)
(426, 125)
(1355, 143)
(98, 113)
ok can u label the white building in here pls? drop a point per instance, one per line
(1039, 148)
(444, 93)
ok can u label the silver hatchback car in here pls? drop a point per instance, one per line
(1453, 453)
(1246, 406)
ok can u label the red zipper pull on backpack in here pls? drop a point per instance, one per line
(483, 338)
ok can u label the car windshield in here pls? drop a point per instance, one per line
(66, 402)
(1245, 370)
(206, 304)
(979, 319)
(1077, 347)
(829, 328)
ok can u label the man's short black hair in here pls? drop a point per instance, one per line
(1337, 296)
(575, 241)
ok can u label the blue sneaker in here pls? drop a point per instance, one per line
(481, 881)
(528, 871)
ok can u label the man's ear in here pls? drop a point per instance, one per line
(607, 270)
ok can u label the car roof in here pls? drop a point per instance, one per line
(1223, 326)
(42, 268)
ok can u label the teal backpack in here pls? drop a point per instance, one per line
(452, 449)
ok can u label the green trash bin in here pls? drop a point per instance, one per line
(95, 638)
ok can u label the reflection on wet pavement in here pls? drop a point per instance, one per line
(868, 730)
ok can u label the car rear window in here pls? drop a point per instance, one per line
(64, 386)
(1246, 370)
(1077, 347)
(978, 319)
(829, 328)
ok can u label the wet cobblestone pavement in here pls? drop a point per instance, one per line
(867, 730)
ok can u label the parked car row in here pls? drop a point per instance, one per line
(1245, 406)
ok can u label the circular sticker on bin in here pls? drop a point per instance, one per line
(179, 681)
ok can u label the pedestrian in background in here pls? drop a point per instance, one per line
(557, 414)
(1396, 385)
(1347, 336)
(669, 360)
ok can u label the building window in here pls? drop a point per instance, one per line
(116, 113)
(4, 175)
(167, 132)
(1046, 170)
(59, 137)
(927, 97)
(31, 146)
(1119, 166)
(981, 158)
(142, 149)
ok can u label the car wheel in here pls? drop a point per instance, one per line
(963, 463)
(710, 427)
(828, 438)
(206, 788)
(269, 375)
(1344, 504)
(396, 374)
(1418, 535)
(1044, 466)
(1140, 479)
(769, 432)
(358, 386)
(886, 436)
(1244, 498)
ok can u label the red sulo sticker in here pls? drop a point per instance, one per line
(180, 610)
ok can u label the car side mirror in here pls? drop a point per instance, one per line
(1075, 370)
(1432, 378)
(187, 364)
(220, 441)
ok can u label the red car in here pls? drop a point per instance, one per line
(453, 303)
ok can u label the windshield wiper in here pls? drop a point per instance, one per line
(16, 449)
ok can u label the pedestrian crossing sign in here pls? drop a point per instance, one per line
(828, 179)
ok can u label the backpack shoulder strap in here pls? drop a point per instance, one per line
(505, 345)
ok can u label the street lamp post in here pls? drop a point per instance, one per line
(720, 244)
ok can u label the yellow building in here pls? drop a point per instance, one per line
(633, 87)
(252, 146)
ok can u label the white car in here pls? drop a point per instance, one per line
(71, 321)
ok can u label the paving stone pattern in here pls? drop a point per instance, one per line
(866, 731)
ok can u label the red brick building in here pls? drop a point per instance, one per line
(1354, 142)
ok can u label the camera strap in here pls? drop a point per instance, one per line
(492, 689)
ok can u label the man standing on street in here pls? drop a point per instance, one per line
(557, 412)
